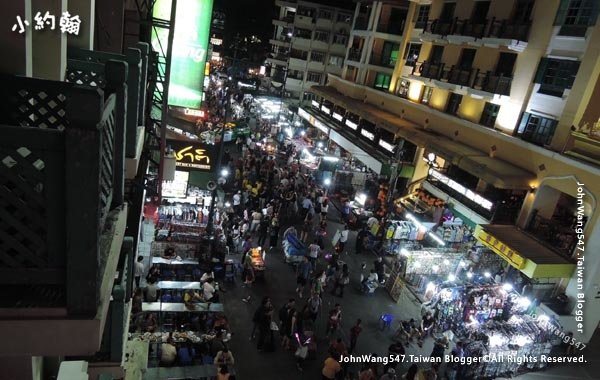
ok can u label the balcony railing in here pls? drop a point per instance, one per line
(396, 28)
(473, 77)
(382, 60)
(362, 23)
(508, 29)
(61, 174)
(492, 28)
(553, 234)
(355, 55)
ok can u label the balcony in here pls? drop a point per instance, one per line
(507, 29)
(472, 78)
(285, 22)
(395, 28)
(361, 23)
(383, 61)
(586, 144)
(553, 234)
(283, 41)
(278, 59)
(64, 215)
(354, 55)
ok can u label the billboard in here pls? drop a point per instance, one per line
(190, 47)
(194, 156)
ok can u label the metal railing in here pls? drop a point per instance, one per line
(355, 55)
(382, 60)
(489, 28)
(62, 148)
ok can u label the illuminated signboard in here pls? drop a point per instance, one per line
(314, 122)
(176, 188)
(192, 156)
(190, 46)
(367, 134)
(216, 41)
(386, 145)
(351, 124)
(325, 109)
(462, 190)
(315, 103)
(189, 112)
(337, 116)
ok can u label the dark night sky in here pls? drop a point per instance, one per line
(248, 16)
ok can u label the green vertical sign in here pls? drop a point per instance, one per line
(190, 47)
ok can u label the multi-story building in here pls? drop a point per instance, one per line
(494, 106)
(217, 36)
(308, 43)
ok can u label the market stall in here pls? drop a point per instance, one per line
(257, 260)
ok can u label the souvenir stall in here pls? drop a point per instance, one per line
(294, 249)
(517, 345)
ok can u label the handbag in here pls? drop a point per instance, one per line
(302, 352)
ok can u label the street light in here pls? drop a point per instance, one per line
(224, 173)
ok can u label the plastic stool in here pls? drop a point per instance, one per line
(386, 321)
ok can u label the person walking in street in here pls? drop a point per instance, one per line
(342, 278)
(314, 306)
(313, 254)
(334, 320)
(138, 270)
(303, 272)
(343, 239)
(331, 367)
(354, 333)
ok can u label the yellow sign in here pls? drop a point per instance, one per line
(191, 156)
(501, 249)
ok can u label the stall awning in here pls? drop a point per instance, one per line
(524, 252)
(494, 171)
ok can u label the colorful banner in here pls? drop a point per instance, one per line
(190, 46)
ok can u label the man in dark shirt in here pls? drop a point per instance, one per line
(379, 269)
(394, 349)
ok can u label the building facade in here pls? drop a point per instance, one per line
(503, 95)
(309, 42)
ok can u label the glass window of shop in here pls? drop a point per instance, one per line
(338, 114)
(352, 121)
(367, 130)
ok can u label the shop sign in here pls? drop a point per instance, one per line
(481, 201)
(189, 49)
(386, 145)
(350, 124)
(326, 110)
(367, 134)
(501, 249)
(191, 112)
(192, 156)
(314, 122)
(338, 117)
(315, 103)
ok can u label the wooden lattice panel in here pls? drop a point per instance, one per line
(85, 78)
(107, 160)
(23, 224)
(39, 108)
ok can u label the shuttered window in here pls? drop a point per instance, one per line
(556, 75)
(575, 16)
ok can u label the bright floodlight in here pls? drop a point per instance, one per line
(431, 157)
(451, 277)
(404, 251)
(302, 133)
(227, 204)
(327, 182)
(487, 274)
(470, 274)
(224, 173)
(508, 287)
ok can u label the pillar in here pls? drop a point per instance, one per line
(49, 47)
(19, 45)
(86, 11)
(111, 15)
(21, 367)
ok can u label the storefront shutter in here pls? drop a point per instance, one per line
(541, 70)
(562, 12)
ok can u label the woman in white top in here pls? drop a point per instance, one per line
(324, 209)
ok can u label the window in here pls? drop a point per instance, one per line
(426, 94)
(435, 56)
(422, 16)
(403, 88)
(308, 12)
(556, 75)
(321, 36)
(489, 114)
(522, 11)
(340, 39)
(575, 16)
(313, 77)
(411, 54)
(309, 96)
(335, 60)
(536, 129)
(453, 103)
(325, 14)
(382, 81)
(344, 17)
(295, 74)
(303, 33)
(317, 56)
(299, 54)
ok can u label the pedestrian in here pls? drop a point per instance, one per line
(354, 333)
(263, 231)
(286, 317)
(412, 373)
(258, 314)
(343, 239)
(331, 367)
(303, 272)
(335, 319)
(395, 349)
(256, 219)
(389, 375)
(439, 347)
(314, 306)
(265, 334)
(342, 278)
(139, 270)
(313, 253)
